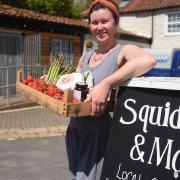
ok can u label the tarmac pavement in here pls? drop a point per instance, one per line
(33, 121)
(31, 142)
(33, 159)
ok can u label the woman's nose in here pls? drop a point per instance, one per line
(99, 26)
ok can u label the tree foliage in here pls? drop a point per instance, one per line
(65, 8)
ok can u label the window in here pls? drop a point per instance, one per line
(64, 47)
(173, 23)
(123, 3)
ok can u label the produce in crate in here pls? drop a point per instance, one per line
(56, 69)
(65, 104)
(42, 86)
(60, 78)
(68, 81)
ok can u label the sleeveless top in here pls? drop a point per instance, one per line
(99, 72)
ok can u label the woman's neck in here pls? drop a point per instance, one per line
(103, 49)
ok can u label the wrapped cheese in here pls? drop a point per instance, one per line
(68, 81)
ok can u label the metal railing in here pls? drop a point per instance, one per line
(8, 78)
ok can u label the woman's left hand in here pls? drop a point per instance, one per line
(98, 96)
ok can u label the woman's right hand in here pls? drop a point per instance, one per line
(98, 96)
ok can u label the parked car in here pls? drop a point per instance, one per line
(168, 62)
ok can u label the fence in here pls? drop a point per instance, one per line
(8, 78)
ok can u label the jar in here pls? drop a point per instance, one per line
(81, 91)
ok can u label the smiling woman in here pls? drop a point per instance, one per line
(110, 65)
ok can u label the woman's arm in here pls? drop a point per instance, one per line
(136, 63)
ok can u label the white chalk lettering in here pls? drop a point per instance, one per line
(156, 121)
(136, 148)
(166, 115)
(172, 117)
(124, 175)
(132, 110)
(159, 157)
(144, 110)
(152, 115)
(174, 160)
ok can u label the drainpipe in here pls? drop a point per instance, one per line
(7, 89)
(152, 27)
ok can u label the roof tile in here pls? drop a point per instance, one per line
(145, 5)
(24, 13)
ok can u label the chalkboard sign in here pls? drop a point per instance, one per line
(144, 142)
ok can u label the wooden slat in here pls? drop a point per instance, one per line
(65, 108)
(80, 109)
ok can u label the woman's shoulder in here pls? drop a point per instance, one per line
(87, 54)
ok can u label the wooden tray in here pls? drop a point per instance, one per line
(65, 108)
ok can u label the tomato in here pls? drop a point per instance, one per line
(29, 78)
(49, 88)
(24, 81)
(51, 93)
(40, 89)
(42, 83)
(36, 82)
(30, 84)
(60, 91)
(74, 100)
(53, 86)
(35, 86)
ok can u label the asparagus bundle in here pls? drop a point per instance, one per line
(56, 69)
(67, 70)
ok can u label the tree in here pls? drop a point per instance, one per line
(16, 3)
(64, 8)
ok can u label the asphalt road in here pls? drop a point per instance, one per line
(33, 159)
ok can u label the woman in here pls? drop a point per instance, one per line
(111, 65)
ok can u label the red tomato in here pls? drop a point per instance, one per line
(36, 82)
(51, 93)
(24, 81)
(42, 83)
(60, 91)
(61, 98)
(30, 84)
(29, 78)
(53, 86)
(41, 89)
(35, 86)
(74, 100)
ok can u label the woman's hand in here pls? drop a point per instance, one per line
(98, 96)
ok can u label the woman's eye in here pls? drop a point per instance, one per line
(105, 21)
(93, 22)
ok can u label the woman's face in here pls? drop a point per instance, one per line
(102, 25)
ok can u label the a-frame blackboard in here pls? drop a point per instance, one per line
(144, 143)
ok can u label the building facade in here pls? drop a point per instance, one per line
(158, 20)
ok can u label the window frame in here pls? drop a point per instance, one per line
(68, 51)
(168, 23)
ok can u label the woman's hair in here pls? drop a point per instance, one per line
(105, 4)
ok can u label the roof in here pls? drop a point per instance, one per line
(7, 10)
(130, 34)
(147, 5)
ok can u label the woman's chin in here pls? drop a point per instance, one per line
(102, 40)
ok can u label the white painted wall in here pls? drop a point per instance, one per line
(139, 24)
(160, 39)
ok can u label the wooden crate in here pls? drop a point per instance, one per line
(65, 108)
